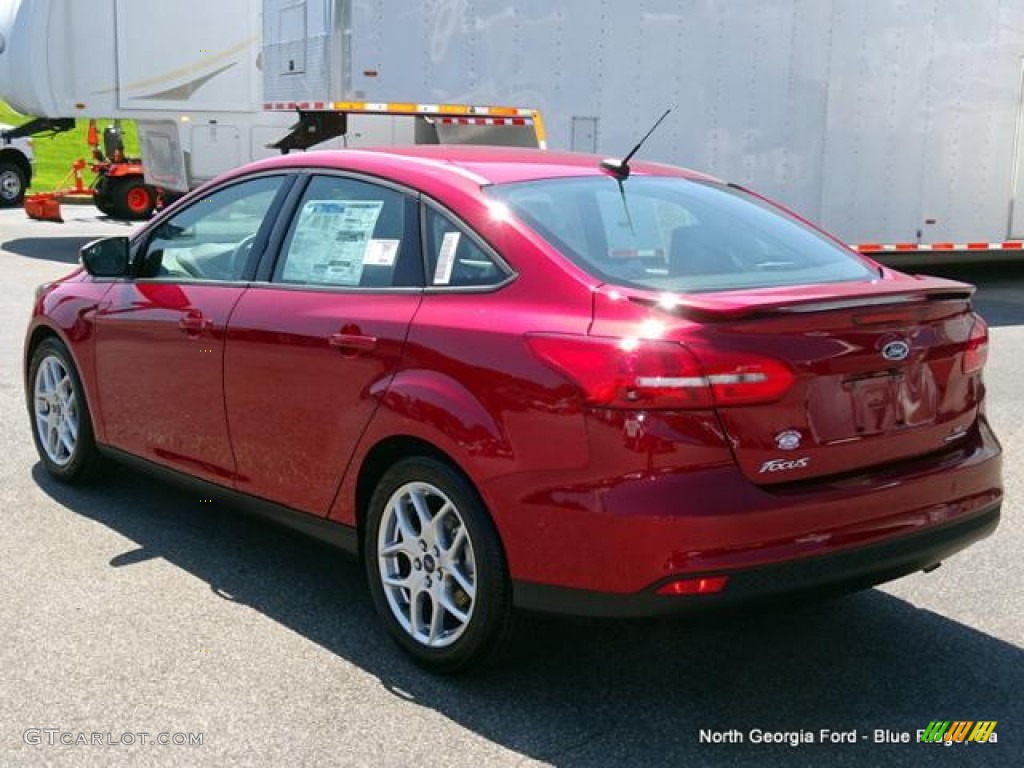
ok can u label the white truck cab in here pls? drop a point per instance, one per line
(16, 165)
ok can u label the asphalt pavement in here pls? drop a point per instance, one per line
(130, 612)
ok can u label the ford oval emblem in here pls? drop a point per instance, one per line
(896, 351)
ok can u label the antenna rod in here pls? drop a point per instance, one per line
(627, 158)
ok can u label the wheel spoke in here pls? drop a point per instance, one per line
(436, 620)
(67, 398)
(397, 582)
(422, 510)
(66, 440)
(449, 605)
(437, 524)
(402, 521)
(460, 539)
(71, 422)
(416, 612)
(396, 548)
(52, 438)
(47, 377)
(464, 583)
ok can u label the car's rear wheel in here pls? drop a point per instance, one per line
(61, 422)
(436, 569)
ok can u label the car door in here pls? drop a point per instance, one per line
(311, 348)
(160, 334)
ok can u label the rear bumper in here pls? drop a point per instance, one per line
(843, 571)
(608, 549)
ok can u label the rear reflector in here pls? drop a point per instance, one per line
(705, 586)
(650, 374)
(976, 353)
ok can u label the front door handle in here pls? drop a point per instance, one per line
(193, 323)
(353, 343)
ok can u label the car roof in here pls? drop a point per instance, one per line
(477, 165)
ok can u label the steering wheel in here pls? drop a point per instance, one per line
(187, 263)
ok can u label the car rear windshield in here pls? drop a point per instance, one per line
(673, 234)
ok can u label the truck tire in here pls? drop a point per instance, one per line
(12, 184)
(130, 198)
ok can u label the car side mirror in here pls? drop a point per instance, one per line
(109, 257)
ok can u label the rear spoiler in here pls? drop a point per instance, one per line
(814, 298)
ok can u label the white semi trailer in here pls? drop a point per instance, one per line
(896, 124)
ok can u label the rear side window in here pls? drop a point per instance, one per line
(352, 234)
(674, 234)
(455, 259)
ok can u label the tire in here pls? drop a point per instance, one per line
(130, 198)
(465, 585)
(12, 184)
(101, 196)
(59, 414)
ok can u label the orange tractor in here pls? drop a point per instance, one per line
(119, 188)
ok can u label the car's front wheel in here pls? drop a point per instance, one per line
(436, 568)
(61, 423)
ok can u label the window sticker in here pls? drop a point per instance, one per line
(381, 253)
(446, 258)
(331, 241)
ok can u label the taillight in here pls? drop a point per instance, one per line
(976, 352)
(741, 379)
(649, 374)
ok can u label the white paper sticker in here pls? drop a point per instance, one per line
(446, 258)
(381, 253)
(331, 240)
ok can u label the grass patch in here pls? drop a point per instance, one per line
(54, 156)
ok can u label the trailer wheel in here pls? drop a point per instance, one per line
(12, 184)
(130, 198)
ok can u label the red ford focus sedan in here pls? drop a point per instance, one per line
(518, 379)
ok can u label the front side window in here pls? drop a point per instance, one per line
(349, 233)
(674, 234)
(212, 239)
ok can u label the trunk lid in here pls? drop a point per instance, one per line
(879, 368)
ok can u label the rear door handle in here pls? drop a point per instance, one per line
(193, 323)
(353, 342)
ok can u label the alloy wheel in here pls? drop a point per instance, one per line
(56, 410)
(427, 565)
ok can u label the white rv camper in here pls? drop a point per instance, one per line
(188, 73)
(894, 123)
